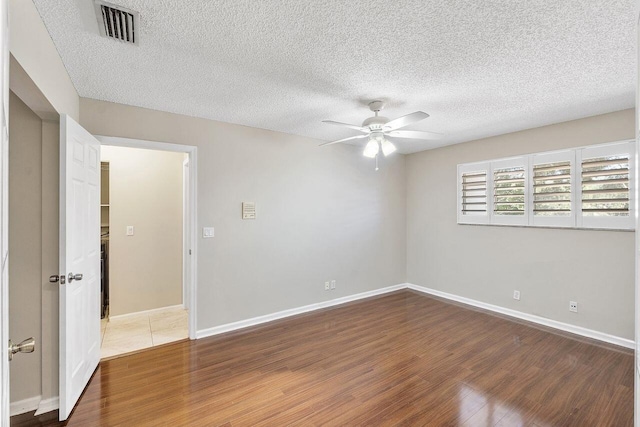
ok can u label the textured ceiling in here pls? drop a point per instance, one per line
(478, 67)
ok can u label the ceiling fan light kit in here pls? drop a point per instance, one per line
(387, 147)
(371, 149)
(376, 128)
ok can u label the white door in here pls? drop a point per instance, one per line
(4, 214)
(79, 261)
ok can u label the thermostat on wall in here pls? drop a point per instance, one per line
(248, 210)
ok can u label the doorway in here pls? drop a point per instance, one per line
(144, 219)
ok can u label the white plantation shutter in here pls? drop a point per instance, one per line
(586, 187)
(509, 192)
(606, 194)
(473, 190)
(552, 193)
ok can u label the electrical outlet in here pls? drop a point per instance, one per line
(516, 295)
(326, 286)
(129, 230)
(573, 306)
(333, 284)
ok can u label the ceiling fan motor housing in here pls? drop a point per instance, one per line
(375, 123)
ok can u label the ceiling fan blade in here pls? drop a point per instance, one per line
(405, 120)
(344, 140)
(356, 127)
(414, 134)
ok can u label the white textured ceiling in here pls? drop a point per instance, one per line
(478, 67)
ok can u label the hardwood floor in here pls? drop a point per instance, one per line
(398, 359)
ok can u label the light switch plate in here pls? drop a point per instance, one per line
(129, 230)
(207, 232)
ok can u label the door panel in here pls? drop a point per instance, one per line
(79, 254)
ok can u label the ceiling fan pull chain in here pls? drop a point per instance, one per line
(377, 161)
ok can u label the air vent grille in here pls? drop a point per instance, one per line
(116, 22)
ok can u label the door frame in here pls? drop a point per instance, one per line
(4, 214)
(190, 222)
(636, 358)
(185, 232)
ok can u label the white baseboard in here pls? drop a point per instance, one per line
(292, 312)
(25, 405)
(48, 405)
(153, 310)
(578, 330)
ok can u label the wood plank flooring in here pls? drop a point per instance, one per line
(398, 359)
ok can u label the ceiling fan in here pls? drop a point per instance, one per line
(378, 129)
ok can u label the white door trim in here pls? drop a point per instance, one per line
(4, 214)
(191, 221)
(185, 233)
(636, 359)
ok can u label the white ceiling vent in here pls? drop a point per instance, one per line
(116, 22)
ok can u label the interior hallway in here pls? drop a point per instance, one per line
(139, 331)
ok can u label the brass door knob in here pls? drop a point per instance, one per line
(26, 346)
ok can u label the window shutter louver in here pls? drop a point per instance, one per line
(552, 189)
(509, 204)
(509, 191)
(605, 186)
(474, 193)
(553, 196)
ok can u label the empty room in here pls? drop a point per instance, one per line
(336, 213)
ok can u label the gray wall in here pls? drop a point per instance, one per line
(548, 266)
(145, 270)
(322, 213)
(25, 260)
(31, 45)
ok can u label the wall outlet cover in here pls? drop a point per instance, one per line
(207, 232)
(516, 295)
(573, 306)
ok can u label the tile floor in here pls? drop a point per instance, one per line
(139, 331)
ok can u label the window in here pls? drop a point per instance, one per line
(587, 187)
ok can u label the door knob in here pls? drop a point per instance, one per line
(73, 277)
(56, 278)
(26, 346)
